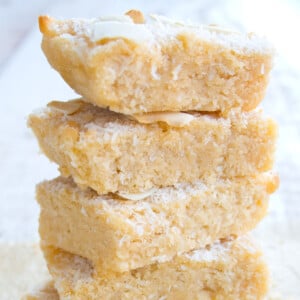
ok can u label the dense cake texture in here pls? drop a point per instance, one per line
(111, 152)
(120, 235)
(227, 270)
(132, 64)
(45, 292)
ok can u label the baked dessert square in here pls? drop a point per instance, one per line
(117, 234)
(226, 270)
(134, 64)
(111, 152)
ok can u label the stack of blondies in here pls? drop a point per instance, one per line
(165, 161)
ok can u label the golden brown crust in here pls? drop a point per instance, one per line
(273, 184)
(44, 25)
(136, 15)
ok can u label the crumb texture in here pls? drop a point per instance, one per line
(227, 270)
(111, 231)
(133, 65)
(111, 152)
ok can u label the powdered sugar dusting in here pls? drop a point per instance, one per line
(165, 28)
(210, 254)
(159, 29)
(221, 249)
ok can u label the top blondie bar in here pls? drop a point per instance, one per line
(132, 64)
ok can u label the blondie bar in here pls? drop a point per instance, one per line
(111, 152)
(120, 235)
(228, 270)
(133, 64)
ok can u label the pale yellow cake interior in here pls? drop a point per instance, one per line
(134, 64)
(226, 270)
(111, 152)
(117, 234)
